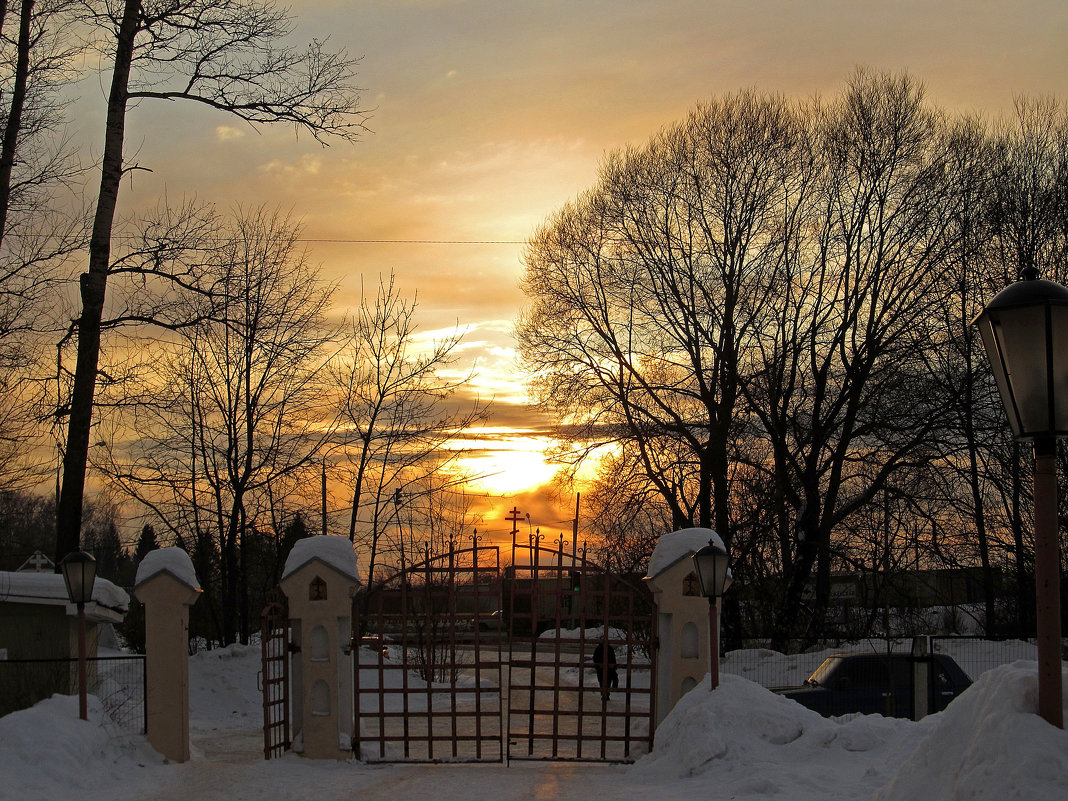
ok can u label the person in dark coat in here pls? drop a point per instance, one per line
(604, 661)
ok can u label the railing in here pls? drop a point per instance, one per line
(976, 655)
(118, 681)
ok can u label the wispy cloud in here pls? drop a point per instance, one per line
(227, 133)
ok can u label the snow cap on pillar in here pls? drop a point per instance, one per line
(173, 561)
(334, 552)
(678, 545)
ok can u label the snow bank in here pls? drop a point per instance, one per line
(989, 745)
(223, 692)
(752, 741)
(590, 634)
(48, 752)
(173, 561)
(679, 545)
(773, 669)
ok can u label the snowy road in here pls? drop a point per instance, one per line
(229, 765)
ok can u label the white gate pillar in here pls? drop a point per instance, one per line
(319, 580)
(167, 585)
(682, 659)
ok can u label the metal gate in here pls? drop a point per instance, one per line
(427, 683)
(274, 677)
(582, 654)
(434, 682)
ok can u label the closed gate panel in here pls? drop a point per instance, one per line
(581, 681)
(428, 679)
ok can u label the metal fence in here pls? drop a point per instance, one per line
(773, 669)
(118, 681)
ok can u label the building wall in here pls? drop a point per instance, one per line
(33, 631)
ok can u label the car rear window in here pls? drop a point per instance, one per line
(875, 672)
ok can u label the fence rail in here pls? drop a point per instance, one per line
(118, 681)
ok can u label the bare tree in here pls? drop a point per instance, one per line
(239, 407)
(645, 292)
(744, 310)
(39, 221)
(397, 412)
(845, 394)
(228, 55)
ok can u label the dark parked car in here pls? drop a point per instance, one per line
(874, 683)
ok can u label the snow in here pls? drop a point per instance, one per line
(998, 747)
(679, 545)
(173, 561)
(740, 742)
(337, 552)
(760, 744)
(49, 588)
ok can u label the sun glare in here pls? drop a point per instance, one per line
(504, 462)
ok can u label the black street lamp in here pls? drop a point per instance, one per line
(1025, 335)
(710, 565)
(79, 574)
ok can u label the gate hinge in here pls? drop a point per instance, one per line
(293, 648)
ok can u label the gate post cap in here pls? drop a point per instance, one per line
(171, 562)
(334, 552)
(678, 545)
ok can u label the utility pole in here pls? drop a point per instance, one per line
(574, 528)
(514, 518)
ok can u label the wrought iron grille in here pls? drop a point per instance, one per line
(428, 678)
(581, 679)
(274, 640)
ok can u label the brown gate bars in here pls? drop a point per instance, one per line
(552, 658)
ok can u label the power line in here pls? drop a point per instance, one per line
(420, 241)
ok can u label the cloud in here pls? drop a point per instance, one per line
(305, 165)
(227, 133)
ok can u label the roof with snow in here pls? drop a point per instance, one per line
(335, 552)
(48, 589)
(173, 561)
(678, 545)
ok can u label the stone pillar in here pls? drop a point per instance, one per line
(682, 661)
(319, 581)
(167, 586)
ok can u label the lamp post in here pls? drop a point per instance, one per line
(710, 565)
(1025, 335)
(79, 574)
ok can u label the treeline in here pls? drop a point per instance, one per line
(760, 322)
(28, 525)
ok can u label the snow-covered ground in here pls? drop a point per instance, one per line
(739, 742)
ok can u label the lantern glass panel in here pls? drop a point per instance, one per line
(1021, 344)
(79, 574)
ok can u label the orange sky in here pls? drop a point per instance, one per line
(489, 115)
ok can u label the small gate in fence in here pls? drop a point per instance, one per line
(274, 676)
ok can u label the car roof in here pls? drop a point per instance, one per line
(871, 654)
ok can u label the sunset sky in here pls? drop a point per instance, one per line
(486, 116)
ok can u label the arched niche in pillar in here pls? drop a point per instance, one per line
(320, 699)
(689, 640)
(320, 645)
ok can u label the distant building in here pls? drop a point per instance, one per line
(37, 621)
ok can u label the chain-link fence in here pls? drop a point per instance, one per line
(118, 681)
(774, 669)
